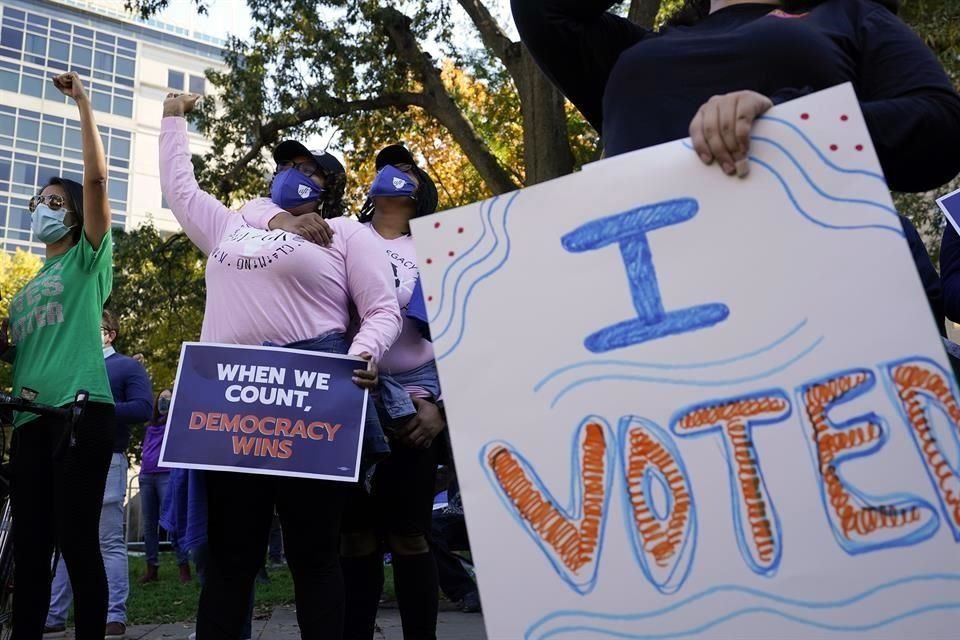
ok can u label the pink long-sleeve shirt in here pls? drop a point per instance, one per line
(274, 285)
(410, 350)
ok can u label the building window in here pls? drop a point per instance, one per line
(198, 84)
(35, 147)
(175, 79)
(34, 47)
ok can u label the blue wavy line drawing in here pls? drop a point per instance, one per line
(487, 225)
(823, 157)
(803, 212)
(494, 269)
(842, 628)
(674, 366)
(756, 593)
(806, 176)
(476, 263)
(690, 383)
(462, 256)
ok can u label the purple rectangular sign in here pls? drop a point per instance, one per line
(266, 410)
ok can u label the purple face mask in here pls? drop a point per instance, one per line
(290, 189)
(391, 182)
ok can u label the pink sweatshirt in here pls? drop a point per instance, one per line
(411, 350)
(274, 285)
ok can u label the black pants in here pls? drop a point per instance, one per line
(57, 494)
(239, 512)
(450, 532)
(398, 514)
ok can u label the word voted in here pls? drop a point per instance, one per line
(664, 536)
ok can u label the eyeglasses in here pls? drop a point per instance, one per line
(104, 330)
(53, 201)
(307, 168)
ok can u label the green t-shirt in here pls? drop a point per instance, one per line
(55, 325)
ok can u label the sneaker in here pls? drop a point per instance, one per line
(116, 631)
(470, 602)
(55, 631)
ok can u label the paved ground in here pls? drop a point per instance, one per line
(282, 625)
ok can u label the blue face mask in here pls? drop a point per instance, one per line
(391, 182)
(47, 225)
(290, 189)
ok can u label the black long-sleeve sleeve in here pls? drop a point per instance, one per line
(928, 274)
(576, 43)
(910, 106)
(655, 82)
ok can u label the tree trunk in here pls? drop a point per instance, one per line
(644, 12)
(440, 105)
(546, 145)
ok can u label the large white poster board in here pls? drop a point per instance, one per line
(686, 405)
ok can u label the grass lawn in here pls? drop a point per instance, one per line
(169, 601)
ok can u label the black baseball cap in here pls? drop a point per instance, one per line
(290, 149)
(394, 154)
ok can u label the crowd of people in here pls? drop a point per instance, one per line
(352, 287)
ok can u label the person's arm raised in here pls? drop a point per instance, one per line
(576, 43)
(96, 202)
(203, 218)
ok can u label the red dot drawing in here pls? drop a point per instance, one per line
(844, 118)
(460, 230)
(804, 116)
(436, 225)
(429, 260)
(833, 147)
(450, 254)
(859, 147)
(429, 298)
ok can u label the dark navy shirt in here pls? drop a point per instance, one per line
(640, 88)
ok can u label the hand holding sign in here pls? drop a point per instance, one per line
(367, 378)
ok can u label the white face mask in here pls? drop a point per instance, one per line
(47, 225)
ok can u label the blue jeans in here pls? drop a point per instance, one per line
(112, 546)
(392, 395)
(153, 490)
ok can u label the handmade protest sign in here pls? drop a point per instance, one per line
(688, 405)
(266, 410)
(950, 205)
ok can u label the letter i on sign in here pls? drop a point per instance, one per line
(629, 230)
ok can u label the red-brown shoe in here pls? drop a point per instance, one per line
(150, 576)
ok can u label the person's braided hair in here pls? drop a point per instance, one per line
(331, 202)
(693, 11)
